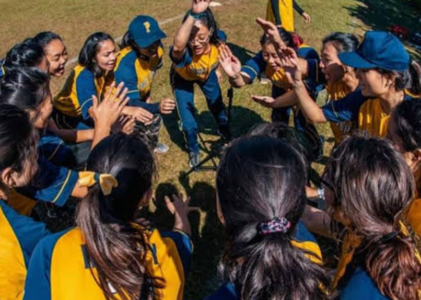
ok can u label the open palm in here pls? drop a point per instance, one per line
(228, 61)
(200, 6)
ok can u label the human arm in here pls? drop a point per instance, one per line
(71, 136)
(232, 67)
(301, 11)
(317, 221)
(182, 37)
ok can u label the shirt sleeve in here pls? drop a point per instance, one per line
(126, 73)
(85, 88)
(275, 11)
(27, 231)
(345, 109)
(184, 247)
(254, 66)
(186, 60)
(38, 279)
(52, 183)
(298, 8)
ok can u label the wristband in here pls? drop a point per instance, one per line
(195, 16)
(321, 193)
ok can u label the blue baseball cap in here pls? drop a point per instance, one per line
(379, 49)
(145, 31)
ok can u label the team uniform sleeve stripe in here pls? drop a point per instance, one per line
(66, 188)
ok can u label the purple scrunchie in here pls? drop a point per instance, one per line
(273, 226)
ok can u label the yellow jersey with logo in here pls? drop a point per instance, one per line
(18, 237)
(136, 72)
(56, 275)
(340, 130)
(372, 119)
(75, 98)
(194, 67)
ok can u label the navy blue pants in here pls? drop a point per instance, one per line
(184, 95)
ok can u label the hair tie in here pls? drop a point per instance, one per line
(106, 181)
(390, 236)
(273, 226)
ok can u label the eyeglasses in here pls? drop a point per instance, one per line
(199, 40)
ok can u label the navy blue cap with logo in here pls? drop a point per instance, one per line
(379, 49)
(145, 31)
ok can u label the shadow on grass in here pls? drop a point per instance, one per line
(381, 15)
(207, 245)
(242, 119)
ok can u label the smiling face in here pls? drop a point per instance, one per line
(57, 56)
(106, 55)
(373, 83)
(199, 39)
(330, 64)
(270, 56)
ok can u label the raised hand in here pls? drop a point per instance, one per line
(200, 6)
(166, 106)
(140, 114)
(110, 109)
(306, 17)
(228, 61)
(264, 101)
(272, 33)
(289, 60)
(124, 124)
(179, 207)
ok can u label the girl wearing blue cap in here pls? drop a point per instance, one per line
(137, 64)
(265, 257)
(18, 234)
(114, 254)
(195, 61)
(93, 76)
(368, 187)
(385, 72)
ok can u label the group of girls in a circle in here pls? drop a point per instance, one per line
(95, 142)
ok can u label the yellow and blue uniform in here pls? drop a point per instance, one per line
(303, 239)
(55, 181)
(201, 70)
(257, 66)
(18, 237)
(413, 216)
(54, 274)
(368, 113)
(73, 102)
(281, 12)
(137, 73)
(340, 130)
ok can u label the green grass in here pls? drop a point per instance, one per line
(76, 19)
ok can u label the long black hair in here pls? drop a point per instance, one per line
(407, 117)
(46, 37)
(261, 178)
(26, 88)
(343, 42)
(208, 19)
(90, 49)
(23, 55)
(18, 139)
(409, 79)
(116, 249)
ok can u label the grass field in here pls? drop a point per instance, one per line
(74, 20)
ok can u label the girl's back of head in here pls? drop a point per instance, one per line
(261, 191)
(23, 55)
(115, 247)
(18, 141)
(372, 185)
(26, 88)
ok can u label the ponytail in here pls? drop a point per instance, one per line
(392, 263)
(261, 178)
(114, 246)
